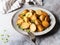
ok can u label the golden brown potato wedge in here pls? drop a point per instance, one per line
(40, 28)
(47, 18)
(19, 21)
(42, 17)
(32, 27)
(44, 13)
(38, 12)
(32, 11)
(25, 11)
(25, 19)
(37, 22)
(33, 18)
(29, 14)
(25, 25)
(45, 24)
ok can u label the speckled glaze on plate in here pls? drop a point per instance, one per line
(52, 23)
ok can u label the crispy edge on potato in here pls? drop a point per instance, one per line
(33, 18)
(32, 27)
(38, 11)
(47, 18)
(45, 24)
(19, 21)
(25, 25)
(32, 11)
(29, 14)
(40, 28)
(42, 17)
(24, 12)
(37, 22)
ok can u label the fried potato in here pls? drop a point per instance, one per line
(38, 12)
(32, 11)
(32, 27)
(47, 18)
(33, 18)
(42, 17)
(25, 19)
(29, 14)
(40, 28)
(44, 13)
(25, 11)
(19, 21)
(45, 24)
(25, 25)
(37, 22)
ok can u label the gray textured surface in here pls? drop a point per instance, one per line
(52, 38)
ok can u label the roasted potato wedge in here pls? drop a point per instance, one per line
(40, 28)
(37, 22)
(45, 24)
(29, 14)
(25, 25)
(38, 12)
(24, 12)
(19, 21)
(47, 18)
(42, 17)
(32, 27)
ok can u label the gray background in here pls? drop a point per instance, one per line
(52, 38)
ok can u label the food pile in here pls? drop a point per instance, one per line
(33, 20)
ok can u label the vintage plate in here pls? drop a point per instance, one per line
(52, 18)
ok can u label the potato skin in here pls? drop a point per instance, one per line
(42, 17)
(19, 21)
(25, 25)
(38, 12)
(25, 11)
(47, 18)
(40, 28)
(45, 24)
(37, 22)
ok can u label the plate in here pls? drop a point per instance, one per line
(52, 18)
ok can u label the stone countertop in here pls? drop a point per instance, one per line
(52, 38)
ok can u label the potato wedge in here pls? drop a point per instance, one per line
(19, 21)
(45, 24)
(25, 25)
(33, 18)
(47, 18)
(44, 13)
(37, 22)
(32, 11)
(40, 28)
(38, 12)
(42, 17)
(32, 27)
(25, 19)
(24, 12)
(29, 14)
